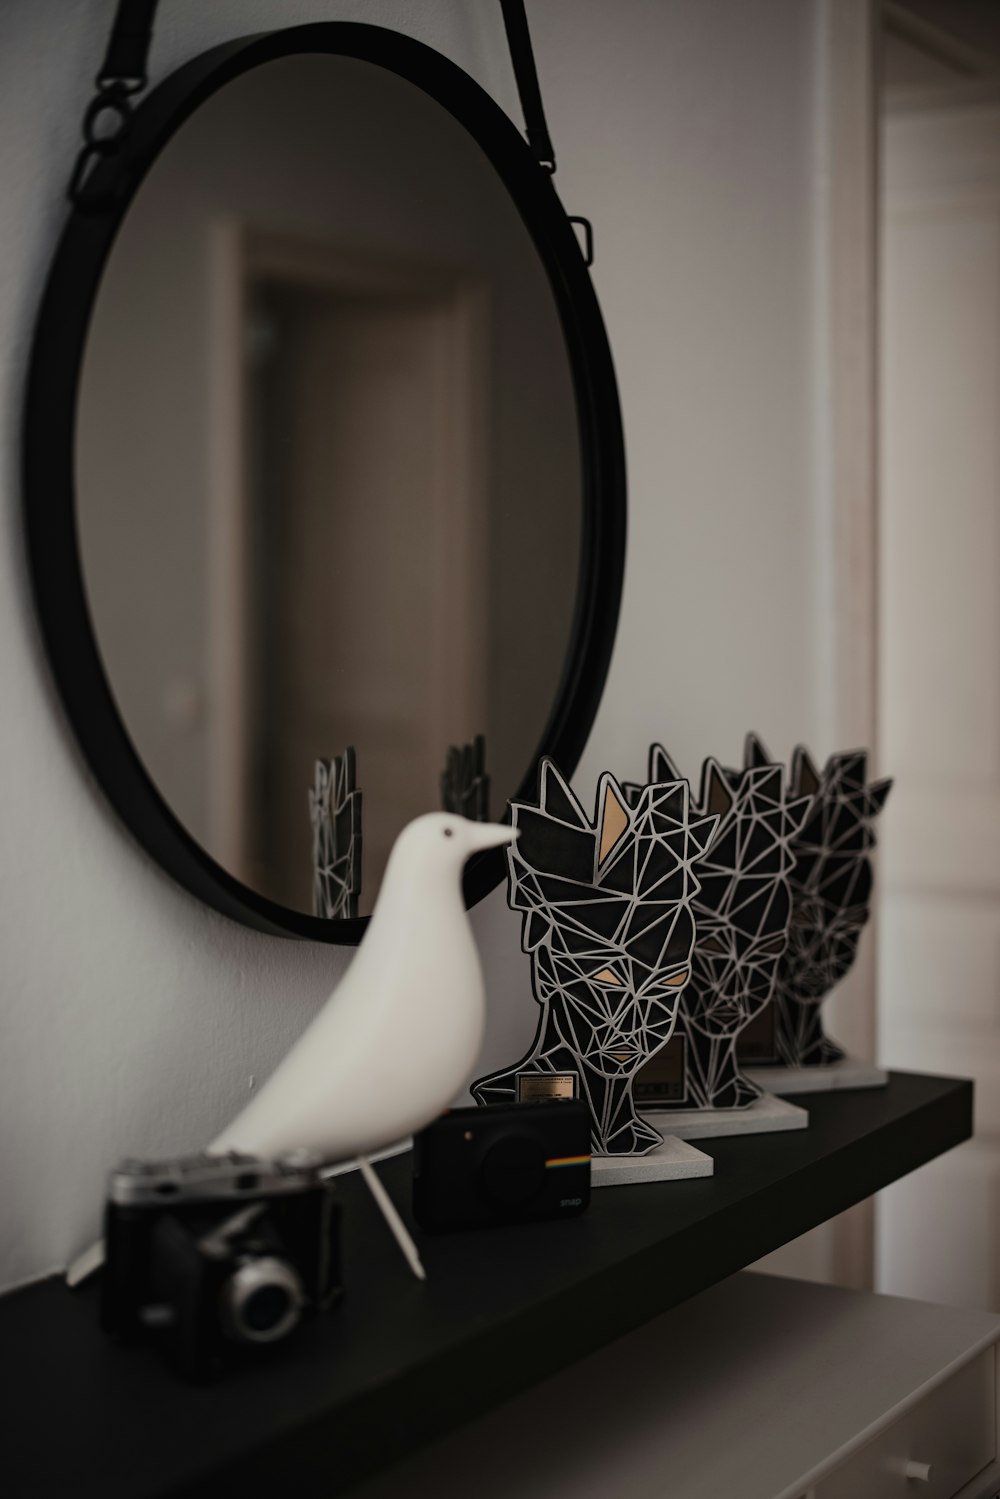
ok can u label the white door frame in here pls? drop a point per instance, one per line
(845, 561)
(850, 313)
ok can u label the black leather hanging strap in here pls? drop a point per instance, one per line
(128, 45)
(123, 75)
(522, 57)
(109, 114)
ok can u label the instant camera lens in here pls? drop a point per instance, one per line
(513, 1170)
(261, 1301)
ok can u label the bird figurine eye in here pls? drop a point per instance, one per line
(449, 832)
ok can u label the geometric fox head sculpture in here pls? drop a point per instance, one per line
(607, 919)
(607, 906)
(608, 912)
(832, 876)
(744, 905)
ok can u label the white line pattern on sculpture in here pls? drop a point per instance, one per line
(608, 923)
(831, 886)
(742, 914)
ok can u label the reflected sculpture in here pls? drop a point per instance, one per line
(335, 812)
(465, 786)
(607, 920)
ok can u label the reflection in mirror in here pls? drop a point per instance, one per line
(328, 472)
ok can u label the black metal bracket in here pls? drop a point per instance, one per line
(588, 236)
(535, 128)
(108, 117)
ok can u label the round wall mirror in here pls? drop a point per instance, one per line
(324, 474)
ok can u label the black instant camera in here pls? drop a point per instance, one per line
(215, 1257)
(505, 1163)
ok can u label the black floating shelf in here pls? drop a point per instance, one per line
(399, 1363)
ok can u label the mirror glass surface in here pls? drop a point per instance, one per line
(327, 466)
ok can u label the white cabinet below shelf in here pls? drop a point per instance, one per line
(761, 1388)
(934, 1449)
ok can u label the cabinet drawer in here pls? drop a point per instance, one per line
(952, 1430)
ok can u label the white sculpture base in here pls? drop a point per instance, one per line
(672, 1161)
(849, 1072)
(764, 1117)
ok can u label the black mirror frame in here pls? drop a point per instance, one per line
(54, 372)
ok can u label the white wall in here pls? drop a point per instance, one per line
(132, 1018)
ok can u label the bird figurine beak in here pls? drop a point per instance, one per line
(482, 835)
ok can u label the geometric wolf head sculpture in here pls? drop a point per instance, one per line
(742, 914)
(831, 896)
(608, 923)
(335, 811)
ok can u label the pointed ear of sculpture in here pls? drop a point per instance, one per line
(805, 776)
(556, 798)
(661, 767)
(767, 781)
(612, 818)
(715, 799)
(876, 796)
(849, 768)
(797, 813)
(755, 752)
(703, 833)
(632, 792)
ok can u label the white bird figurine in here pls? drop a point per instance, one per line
(399, 1034)
(402, 1030)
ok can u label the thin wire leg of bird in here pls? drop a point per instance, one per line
(387, 1208)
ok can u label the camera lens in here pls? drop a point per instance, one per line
(261, 1301)
(266, 1309)
(513, 1170)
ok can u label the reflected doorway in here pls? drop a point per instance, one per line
(357, 450)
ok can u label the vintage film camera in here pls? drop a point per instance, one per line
(213, 1258)
(504, 1163)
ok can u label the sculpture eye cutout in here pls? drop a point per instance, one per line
(714, 944)
(777, 945)
(606, 976)
(677, 979)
